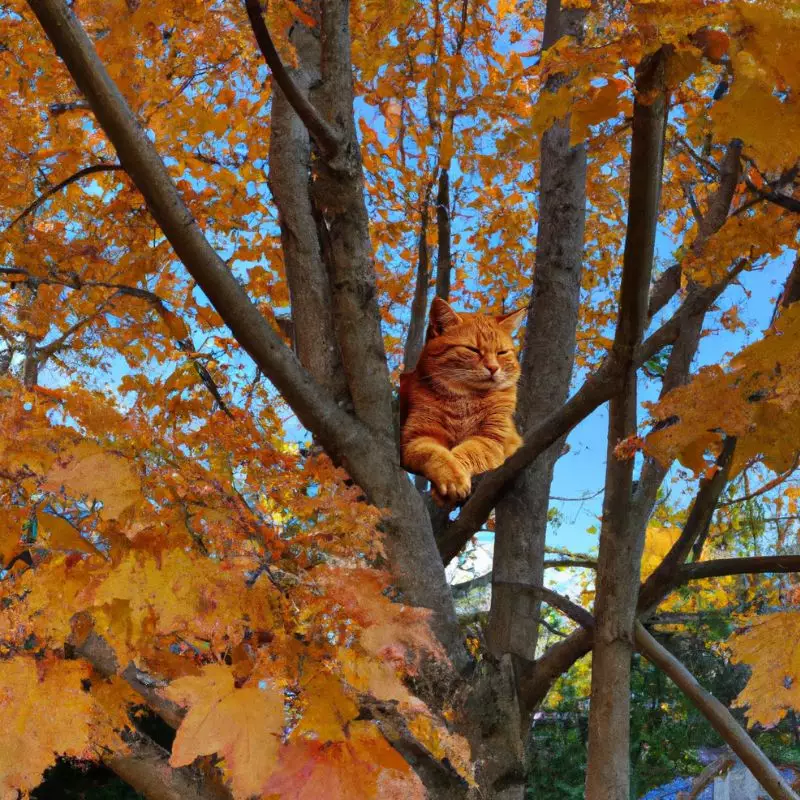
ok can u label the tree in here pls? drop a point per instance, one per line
(215, 246)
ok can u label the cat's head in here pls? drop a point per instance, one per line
(471, 352)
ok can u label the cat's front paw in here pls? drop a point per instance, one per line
(451, 481)
(512, 443)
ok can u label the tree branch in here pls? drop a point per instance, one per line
(664, 289)
(322, 133)
(720, 718)
(782, 200)
(443, 256)
(652, 591)
(621, 540)
(81, 173)
(146, 769)
(769, 485)
(574, 611)
(597, 389)
(717, 767)
(415, 338)
(721, 567)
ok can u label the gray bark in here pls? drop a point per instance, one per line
(547, 361)
(146, 769)
(720, 718)
(419, 306)
(621, 543)
(290, 183)
(338, 192)
(443, 255)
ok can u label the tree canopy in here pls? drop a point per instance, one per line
(221, 226)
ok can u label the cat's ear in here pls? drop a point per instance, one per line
(442, 317)
(509, 322)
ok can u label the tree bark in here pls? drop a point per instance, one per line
(338, 192)
(443, 254)
(290, 183)
(146, 769)
(419, 306)
(621, 544)
(547, 360)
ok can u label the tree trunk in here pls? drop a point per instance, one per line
(547, 361)
(621, 542)
(419, 306)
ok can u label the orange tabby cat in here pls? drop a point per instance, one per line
(457, 407)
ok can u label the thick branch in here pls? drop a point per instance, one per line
(101, 656)
(621, 541)
(443, 256)
(779, 199)
(664, 289)
(419, 305)
(322, 133)
(720, 718)
(720, 567)
(302, 234)
(336, 429)
(146, 769)
(547, 361)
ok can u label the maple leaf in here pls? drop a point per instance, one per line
(442, 744)
(44, 707)
(658, 541)
(62, 535)
(242, 726)
(12, 522)
(363, 764)
(769, 646)
(327, 708)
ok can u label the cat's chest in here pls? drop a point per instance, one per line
(465, 420)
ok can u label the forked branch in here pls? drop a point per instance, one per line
(322, 133)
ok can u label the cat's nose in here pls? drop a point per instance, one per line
(492, 368)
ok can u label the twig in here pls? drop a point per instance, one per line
(81, 173)
(766, 487)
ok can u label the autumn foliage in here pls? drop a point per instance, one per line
(187, 533)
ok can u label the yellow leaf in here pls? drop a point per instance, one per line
(441, 744)
(771, 647)
(45, 713)
(327, 708)
(61, 535)
(94, 473)
(657, 544)
(243, 726)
